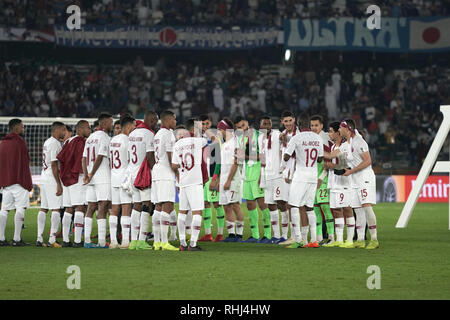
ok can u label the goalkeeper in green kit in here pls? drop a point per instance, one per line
(322, 202)
(253, 194)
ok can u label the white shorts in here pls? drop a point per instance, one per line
(141, 195)
(120, 196)
(163, 191)
(98, 192)
(15, 197)
(340, 198)
(233, 195)
(302, 194)
(49, 199)
(362, 195)
(66, 197)
(276, 191)
(191, 198)
(77, 193)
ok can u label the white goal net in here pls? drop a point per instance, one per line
(37, 130)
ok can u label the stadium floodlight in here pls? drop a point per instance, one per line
(287, 55)
(440, 166)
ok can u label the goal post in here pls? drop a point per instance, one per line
(37, 130)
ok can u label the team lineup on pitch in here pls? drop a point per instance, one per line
(301, 179)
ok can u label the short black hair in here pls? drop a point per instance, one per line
(96, 123)
(80, 123)
(117, 122)
(69, 128)
(287, 113)
(126, 120)
(265, 117)
(238, 119)
(13, 123)
(303, 121)
(180, 126)
(335, 126)
(317, 117)
(351, 123)
(229, 122)
(103, 116)
(57, 124)
(165, 114)
(150, 113)
(190, 123)
(204, 117)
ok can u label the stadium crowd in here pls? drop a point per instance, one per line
(44, 14)
(398, 108)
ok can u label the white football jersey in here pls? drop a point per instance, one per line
(52, 147)
(290, 164)
(272, 155)
(227, 156)
(188, 154)
(98, 144)
(355, 148)
(140, 141)
(308, 147)
(337, 182)
(163, 143)
(118, 151)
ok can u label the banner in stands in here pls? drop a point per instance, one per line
(398, 188)
(22, 34)
(166, 37)
(425, 34)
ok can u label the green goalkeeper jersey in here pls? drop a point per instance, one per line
(252, 167)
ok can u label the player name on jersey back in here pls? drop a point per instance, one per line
(118, 149)
(98, 145)
(308, 147)
(140, 141)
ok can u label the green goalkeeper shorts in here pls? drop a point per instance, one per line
(322, 194)
(208, 195)
(252, 191)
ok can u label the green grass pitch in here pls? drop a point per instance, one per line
(414, 264)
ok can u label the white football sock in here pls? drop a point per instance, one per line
(371, 222)
(284, 224)
(78, 222)
(239, 227)
(360, 223)
(135, 224)
(305, 234)
(275, 225)
(290, 225)
(41, 225)
(230, 227)
(196, 226)
(350, 228)
(339, 227)
(101, 225)
(87, 229)
(66, 222)
(156, 226)
(3, 219)
(295, 224)
(173, 225)
(125, 224)
(55, 222)
(312, 219)
(165, 223)
(113, 228)
(188, 222)
(18, 223)
(144, 225)
(182, 228)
